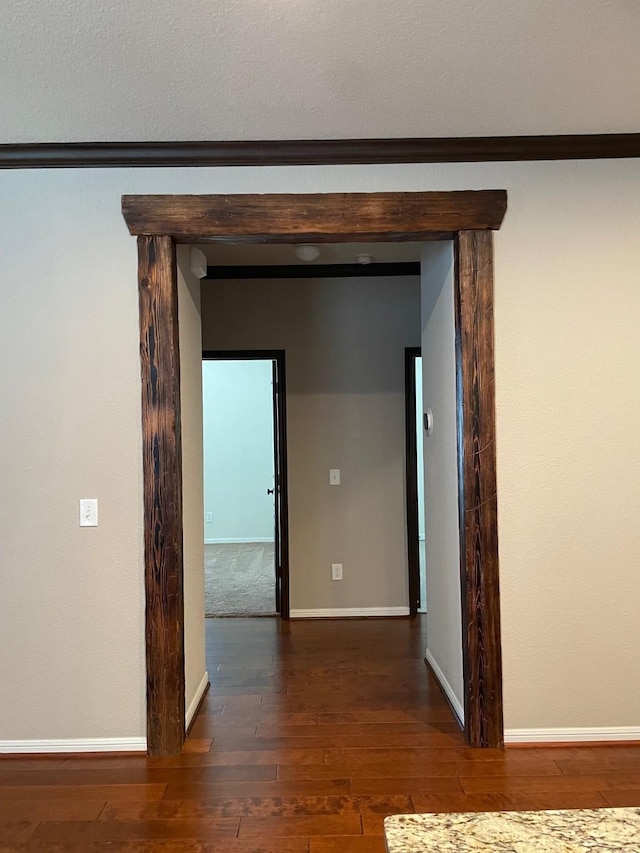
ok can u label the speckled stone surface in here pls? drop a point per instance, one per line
(571, 831)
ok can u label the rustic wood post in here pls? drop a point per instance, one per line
(162, 463)
(482, 658)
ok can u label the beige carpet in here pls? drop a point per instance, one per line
(239, 579)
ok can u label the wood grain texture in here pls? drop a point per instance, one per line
(162, 464)
(319, 218)
(301, 152)
(204, 804)
(478, 513)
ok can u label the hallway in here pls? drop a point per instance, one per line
(311, 733)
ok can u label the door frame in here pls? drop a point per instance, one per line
(411, 476)
(468, 218)
(281, 478)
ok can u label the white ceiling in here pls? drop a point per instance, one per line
(125, 70)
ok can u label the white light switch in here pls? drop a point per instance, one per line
(334, 476)
(209, 517)
(88, 512)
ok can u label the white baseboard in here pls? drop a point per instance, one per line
(246, 541)
(107, 744)
(448, 689)
(346, 612)
(574, 735)
(193, 705)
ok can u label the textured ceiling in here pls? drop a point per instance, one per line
(125, 70)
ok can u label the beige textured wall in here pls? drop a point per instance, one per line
(568, 405)
(192, 476)
(442, 530)
(344, 342)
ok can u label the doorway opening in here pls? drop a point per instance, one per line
(467, 218)
(245, 483)
(244, 487)
(414, 444)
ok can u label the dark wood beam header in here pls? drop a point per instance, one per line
(318, 218)
(305, 152)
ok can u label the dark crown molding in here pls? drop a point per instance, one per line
(304, 152)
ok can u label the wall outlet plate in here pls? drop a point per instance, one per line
(336, 571)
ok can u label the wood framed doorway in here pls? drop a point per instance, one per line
(280, 489)
(468, 218)
(411, 477)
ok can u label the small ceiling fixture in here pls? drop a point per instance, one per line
(307, 252)
(364, 259)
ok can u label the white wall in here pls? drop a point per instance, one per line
(442, 532)
(238, 450)
(345, 341)
(567, 305)
(191, 424)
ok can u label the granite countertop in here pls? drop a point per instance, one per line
(571, 831)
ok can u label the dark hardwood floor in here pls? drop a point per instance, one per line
(311, 733)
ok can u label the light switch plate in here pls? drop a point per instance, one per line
(88, 512)
(334, 476)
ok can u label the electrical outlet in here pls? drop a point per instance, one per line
(336, 571)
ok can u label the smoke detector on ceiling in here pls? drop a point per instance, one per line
(307, 252)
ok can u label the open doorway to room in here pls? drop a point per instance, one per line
(344, 319)
(414, 446)
(242, 484)
(245, 489)
(467, 219)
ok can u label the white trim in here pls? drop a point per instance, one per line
(448, 689)
(193, 705)
(573, 735)
(244, 541)
(91, 744)
(345, 612)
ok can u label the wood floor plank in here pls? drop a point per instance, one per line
(330, 731)
(385, 715)
(353, 844)
(256, 807)
(424, 801)
(409, 768)
(315, 787)
(115, 830)
(348, 741)
(253, 758)
(304, 825)
(219, 845)
(194, 744)
(620, 798)
(14, 833)
(550, 784)
(79, 792)
(36, 810)
(404, 785)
